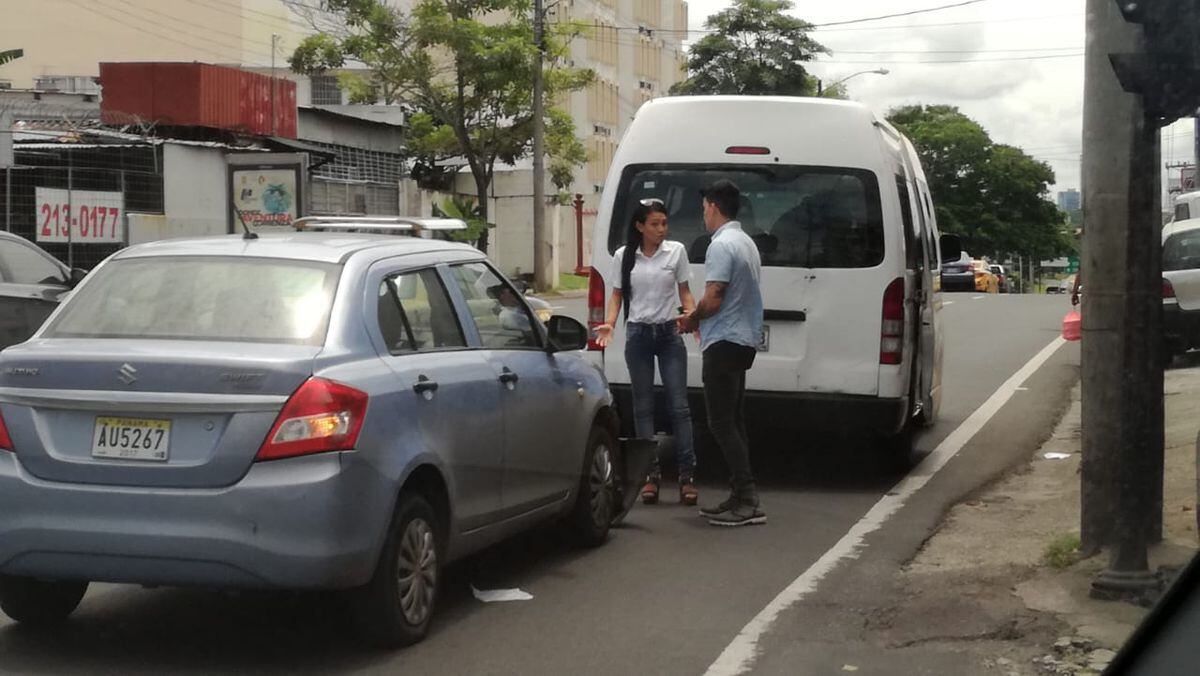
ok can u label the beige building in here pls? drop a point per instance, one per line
(636, 49)
(65, 40)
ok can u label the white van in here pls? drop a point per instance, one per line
(838, 203)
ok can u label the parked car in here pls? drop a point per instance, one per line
(307, 411)
(1062, 286)
(985, 279)
(838, 204)
(958, 275)
(32, 283)
(1181, 286)
(1001, 277)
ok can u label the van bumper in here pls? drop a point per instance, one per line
(834, 413)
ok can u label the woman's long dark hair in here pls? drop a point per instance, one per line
(633, 242)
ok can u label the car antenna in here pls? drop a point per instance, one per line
(248, 233)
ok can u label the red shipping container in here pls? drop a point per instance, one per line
(199, 95)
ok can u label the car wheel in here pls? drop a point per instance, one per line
(31, 601)
(394, 608)
(594, 508)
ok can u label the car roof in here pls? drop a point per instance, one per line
(1176, 227)
(327, 247)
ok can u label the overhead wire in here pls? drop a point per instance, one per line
(203, 48)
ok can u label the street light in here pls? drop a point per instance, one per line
(877, 71)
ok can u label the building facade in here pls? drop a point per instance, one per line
(1069, 200)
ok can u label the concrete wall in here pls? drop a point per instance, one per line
(511, 209)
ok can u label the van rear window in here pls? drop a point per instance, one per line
(804, 217)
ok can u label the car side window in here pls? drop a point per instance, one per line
(415, 313)
(24, 265)
(502, 319)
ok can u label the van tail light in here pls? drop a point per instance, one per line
(891, 344)
(595, 307)
(1168, 288)
(6, 443)
(321, 416)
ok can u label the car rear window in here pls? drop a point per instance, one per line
(202, 298)
(800, 216)
(1181, 251)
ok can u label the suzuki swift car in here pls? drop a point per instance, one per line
(312, 410)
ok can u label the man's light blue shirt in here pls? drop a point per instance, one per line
(733, 259)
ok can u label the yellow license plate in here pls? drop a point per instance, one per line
(131, 438)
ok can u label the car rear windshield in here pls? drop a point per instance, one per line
(1181, 251)
(202, 298)
(803, 217)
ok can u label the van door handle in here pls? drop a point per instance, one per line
(508, 377)
(424, 384)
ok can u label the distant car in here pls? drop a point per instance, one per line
(1181, 286)
(308, 411)
(1063, 286)
(985, 280)
(32, 283)
(1001, 277)
(958, 275)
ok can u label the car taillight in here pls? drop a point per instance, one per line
(321, 416)
(1168, 289)
(6, 443)
(595, 307)
(891, 344)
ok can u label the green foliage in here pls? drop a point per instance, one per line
(1063, 551)
(756, 48)
(993, 195)
(466, 210)
(464, 67)
(10, 55)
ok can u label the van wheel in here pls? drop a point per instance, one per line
(39, 602)
(592, 515)
(394, 608)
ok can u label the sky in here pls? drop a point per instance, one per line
(1033, 103)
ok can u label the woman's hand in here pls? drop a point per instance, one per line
(604, 334)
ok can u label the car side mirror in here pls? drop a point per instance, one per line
(951, 247)
(77, 275)
(566, 334)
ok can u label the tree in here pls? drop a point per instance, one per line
(463, 67)
(993, 195)
(755, 48)
(10, 55)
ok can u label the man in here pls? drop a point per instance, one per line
(729, 317)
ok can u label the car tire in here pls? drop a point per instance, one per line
(39, 602)
(388, 612)
(592, 514)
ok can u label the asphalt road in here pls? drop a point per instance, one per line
(665, 595)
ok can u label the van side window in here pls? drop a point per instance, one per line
(1182, 211)
(911, 236)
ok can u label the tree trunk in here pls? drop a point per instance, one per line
(481, 193)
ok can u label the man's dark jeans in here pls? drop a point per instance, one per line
(724, 374)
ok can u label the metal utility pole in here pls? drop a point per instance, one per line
(544, 276)
(1122, 364)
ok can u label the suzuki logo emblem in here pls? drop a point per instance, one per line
(127, 374)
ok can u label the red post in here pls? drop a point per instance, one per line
(580, 268)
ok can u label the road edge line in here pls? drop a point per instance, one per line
(738, 657)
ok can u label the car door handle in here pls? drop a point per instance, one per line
(424, 384)
(508, 377)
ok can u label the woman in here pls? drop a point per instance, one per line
(651, 281)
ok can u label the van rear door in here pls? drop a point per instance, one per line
(821, 237)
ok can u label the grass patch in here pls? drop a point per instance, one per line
(571, 282)
(1063, 551)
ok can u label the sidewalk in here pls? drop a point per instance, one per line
(1004, 562)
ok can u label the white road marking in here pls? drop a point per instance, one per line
(949, 302)
(738, 657)
(978, 297)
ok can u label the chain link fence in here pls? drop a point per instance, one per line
(73, 200)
